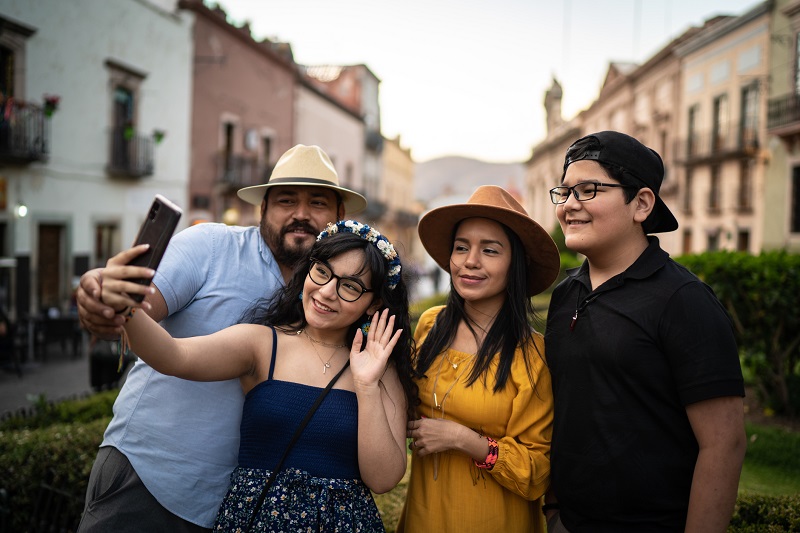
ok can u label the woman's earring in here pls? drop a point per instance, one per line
(300, 297)
(365, 327)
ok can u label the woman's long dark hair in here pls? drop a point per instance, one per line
(512, 327)
(285, 312)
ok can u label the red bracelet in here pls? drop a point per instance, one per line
(491, 457)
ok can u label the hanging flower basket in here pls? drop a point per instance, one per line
(50, 104)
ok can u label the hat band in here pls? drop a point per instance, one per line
(310, 181)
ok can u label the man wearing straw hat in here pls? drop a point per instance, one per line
(166, 456)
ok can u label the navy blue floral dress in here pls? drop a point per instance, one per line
(319, 488)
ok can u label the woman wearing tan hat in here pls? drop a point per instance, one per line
(481, 443)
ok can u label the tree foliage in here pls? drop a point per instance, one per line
(762, 295)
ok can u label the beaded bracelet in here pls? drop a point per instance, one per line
(491, 457)
(127, 313)
(124, 344)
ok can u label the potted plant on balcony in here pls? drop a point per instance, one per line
(50, 104)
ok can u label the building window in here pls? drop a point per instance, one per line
(714, 192)
(720, 124)
(692, 139)
(266, 142)
(748, 129)
(106, 242)
(743, 240)
(201, 201)
(687, 241)
(131, 152)
(13, 38)
(795, 220)
(712, 244)
(6, 72)
(228, 130)
(687, 193)
(348, 175)
(797, 64)
(745, 193)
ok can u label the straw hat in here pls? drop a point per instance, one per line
(437, 228)
(307, 166)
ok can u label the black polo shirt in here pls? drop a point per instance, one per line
(626, 360)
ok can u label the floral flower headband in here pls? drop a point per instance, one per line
(371, 235)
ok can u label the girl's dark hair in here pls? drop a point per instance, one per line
(588, 144)
(511, 328)
(285, 312)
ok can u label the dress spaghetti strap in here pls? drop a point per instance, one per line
(274, 350)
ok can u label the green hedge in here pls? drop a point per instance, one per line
(59, 444)
(764, 514)
(61, 453)
(56, 443)
(46, 413)
(761, 293)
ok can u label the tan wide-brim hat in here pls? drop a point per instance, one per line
(307, 166)
(437, 229)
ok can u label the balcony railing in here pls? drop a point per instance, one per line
(237, 171)
(373, 140)
(24, 133)
(711, 146)
(131, 154)
(406, 219)
(783, 111)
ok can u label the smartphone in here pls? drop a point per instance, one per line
(156, 230)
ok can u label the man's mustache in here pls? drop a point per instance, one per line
(299, 226)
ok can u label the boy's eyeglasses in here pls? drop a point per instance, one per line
(582, 191)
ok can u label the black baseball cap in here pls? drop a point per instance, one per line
(636, 159)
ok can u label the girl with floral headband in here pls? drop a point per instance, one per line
(311, 335)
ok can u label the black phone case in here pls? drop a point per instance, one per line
(156, 230)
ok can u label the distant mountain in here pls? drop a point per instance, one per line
(460, 176)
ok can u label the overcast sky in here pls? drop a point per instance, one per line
(468, 77)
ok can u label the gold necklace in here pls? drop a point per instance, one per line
(325, 364)
(312, 339)
(436, 404)
(440, 407)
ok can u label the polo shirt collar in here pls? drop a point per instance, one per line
(650, 261)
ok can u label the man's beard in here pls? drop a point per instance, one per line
(287, 253)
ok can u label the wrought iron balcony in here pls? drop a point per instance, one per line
(712, 147)
(131, 153)
(783, 114)
(373, 140)
(24, 132)
(406, 219)
(237, 171)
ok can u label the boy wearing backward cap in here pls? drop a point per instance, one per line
(649, 420)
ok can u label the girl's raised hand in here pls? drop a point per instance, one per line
(116, 289)
(369, 364)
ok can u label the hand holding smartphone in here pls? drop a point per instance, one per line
(156, 230)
